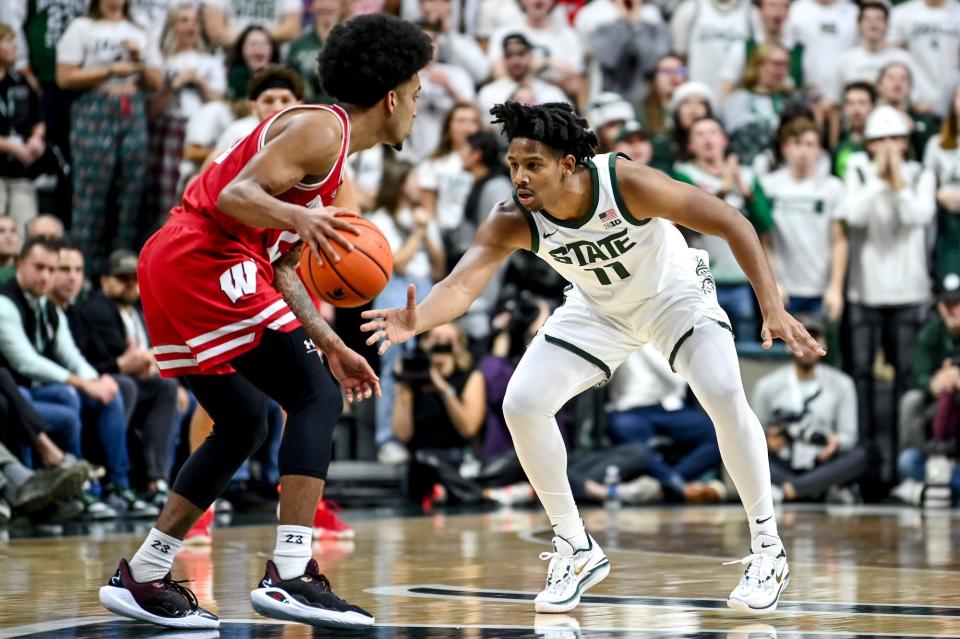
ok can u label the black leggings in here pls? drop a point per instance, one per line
(279, 367)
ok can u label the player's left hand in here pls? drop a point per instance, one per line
(782, 325)
(354, 374)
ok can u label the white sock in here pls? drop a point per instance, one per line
(708, 361)
(293, 552)
(155, 557)
(763, 543)
(529, 408)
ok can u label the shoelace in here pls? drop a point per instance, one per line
(758, 567)
(183, 591)
(560, 572)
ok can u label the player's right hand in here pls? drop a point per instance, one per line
(392, 325)
(318, 227)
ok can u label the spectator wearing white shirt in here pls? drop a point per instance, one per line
(193, 77)
(796, 211)
(826, 28)
(559, 55)
(930, 31)
(107, 57)
(444, 182)
(772, 15)
(497, 14)
(943, 158)
(455, 48)
(863, 62)
(441, 87)
(598, 13)
(152, 15)
(225, 20)
(627, 48)
(888, 207)
(419, 259)
(708, 32)
(518, 63)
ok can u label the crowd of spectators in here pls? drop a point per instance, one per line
(831, 125)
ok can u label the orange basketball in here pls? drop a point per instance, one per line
(360, 274)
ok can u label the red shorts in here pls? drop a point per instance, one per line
(207, 298)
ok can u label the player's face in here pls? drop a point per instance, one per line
(272, 101)
(404, 110)
(9, 238)
(35, 271)
(537, 172)
(873, 25)
(857, 105)
(69, 277)
(802, 151)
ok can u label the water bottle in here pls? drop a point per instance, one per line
(937, 493)
(612, 482)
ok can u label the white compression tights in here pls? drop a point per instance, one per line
(548, 376)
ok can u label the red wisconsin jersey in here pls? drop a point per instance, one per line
(206, 280)
(201, 196)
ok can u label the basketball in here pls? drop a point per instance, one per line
(360, 274)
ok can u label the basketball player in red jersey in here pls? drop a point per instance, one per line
(226, 310)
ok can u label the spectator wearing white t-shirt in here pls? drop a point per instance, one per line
(109, 59)
(709, 32)
(444, 183)
(225, 20)
(441, 87)
(930, 31)
(455, 48)
(559, 55)
(626, 50)
(518, 63)
(152, 15)
(772, 16)
(418, 259)
(795, 211)
(863, 62)
(598, 13)
(826, 28)
(192, 77)
(943, 158)
(889, 205)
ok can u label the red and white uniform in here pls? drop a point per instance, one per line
(206, 279)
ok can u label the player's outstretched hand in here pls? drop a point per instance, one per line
(782, 325)
(392, 325)
(318, 228)
(354, 374)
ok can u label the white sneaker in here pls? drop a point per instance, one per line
(570, 573)
(764, 579)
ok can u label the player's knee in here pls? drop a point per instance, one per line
(520, 405)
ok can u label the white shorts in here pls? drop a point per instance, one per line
(605, 337)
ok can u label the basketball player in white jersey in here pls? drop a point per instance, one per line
(607, 225)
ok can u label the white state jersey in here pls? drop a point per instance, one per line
(633, 280)
(612, 258)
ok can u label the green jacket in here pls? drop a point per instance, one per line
(934, 344)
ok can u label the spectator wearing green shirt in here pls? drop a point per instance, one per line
(859, 98)
(305, 49)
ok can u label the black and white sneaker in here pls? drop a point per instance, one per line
(163, 602)
(307, 599)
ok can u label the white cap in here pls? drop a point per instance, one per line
(885, 122)
(609, 107)
(688, 90)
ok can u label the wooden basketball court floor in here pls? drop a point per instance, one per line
(856, 572)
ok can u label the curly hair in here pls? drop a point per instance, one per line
(555, 124)
(370, 55)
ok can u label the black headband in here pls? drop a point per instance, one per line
(273, 82)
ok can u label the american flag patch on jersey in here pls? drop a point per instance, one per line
(610, 219)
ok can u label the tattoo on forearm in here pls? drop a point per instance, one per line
(286, 280)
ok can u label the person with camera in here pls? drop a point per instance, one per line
(930, 413)
(809, 411)
(438, 408)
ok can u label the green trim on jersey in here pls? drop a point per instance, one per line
(761, 209)
(576, 350)
(685, 336)
(575, 224)
(528, 216)
(617, 196)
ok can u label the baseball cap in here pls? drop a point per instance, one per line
(949, 288)
(630, 128)
(607, 108)
(123, 262)
(690, 89)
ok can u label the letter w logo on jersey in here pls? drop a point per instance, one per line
(239, 280)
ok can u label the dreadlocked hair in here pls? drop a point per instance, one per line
(555, 124)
